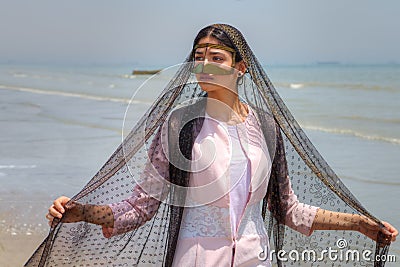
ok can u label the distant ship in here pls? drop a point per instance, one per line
(328, 62)
(145, 72)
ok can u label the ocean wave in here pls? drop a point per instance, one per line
(69, 94)
(353, 133)
(37, 76)
(362, 118)
(355, 86)
(127, 76)
(296, 85)
(17, 166)
(20, 75)
(369, 181)
(81, 123)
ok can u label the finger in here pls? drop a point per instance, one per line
(393, 231)
(49, 217)
(60, 202)
(64, 200)
(386, 231)
(54, 212)
(391, 228)
(51, 223)
(58, 206)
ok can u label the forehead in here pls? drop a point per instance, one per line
(208, 39)
(207, 43)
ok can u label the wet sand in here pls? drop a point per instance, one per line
(16, 250)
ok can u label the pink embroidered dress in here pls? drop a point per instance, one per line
(222, 225)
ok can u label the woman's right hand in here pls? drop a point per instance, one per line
(73, 212)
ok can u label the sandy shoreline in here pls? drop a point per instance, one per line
(16, 250)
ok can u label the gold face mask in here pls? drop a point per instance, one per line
(214, 68)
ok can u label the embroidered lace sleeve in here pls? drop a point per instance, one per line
(141, 206)
(298, 216)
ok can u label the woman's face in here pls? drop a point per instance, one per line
(219, 58)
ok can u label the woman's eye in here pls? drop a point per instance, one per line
(218, 59)
(198, 58)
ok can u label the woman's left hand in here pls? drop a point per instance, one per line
(393, 231)
(371, 229)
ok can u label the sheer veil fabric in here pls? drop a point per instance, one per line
(177, 116)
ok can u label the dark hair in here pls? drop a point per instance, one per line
(218, 34)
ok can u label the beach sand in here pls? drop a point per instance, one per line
(16, 250)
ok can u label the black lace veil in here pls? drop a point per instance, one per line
(154, 242)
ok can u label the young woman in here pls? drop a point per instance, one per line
(231, 166)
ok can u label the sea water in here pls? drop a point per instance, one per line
(59, 125)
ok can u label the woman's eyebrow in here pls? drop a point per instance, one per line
(216, 52)
(211, 52)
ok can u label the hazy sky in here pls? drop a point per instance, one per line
(161, 32)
